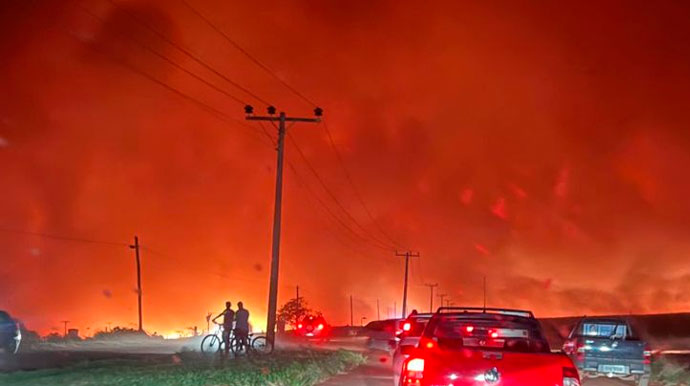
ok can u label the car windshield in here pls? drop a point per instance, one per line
(604, 329)
(461, 333)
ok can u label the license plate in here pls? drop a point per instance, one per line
(615, 369)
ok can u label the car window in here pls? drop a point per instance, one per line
(459, 333)
(603, 330)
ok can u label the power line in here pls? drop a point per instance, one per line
(329, 212)
(247, 54)
(379, 243)
(219, 114)
(63, 238)
(348, 176)
(187, 52)
(170, 61)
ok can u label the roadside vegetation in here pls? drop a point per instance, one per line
(283, 368)
(667, 372)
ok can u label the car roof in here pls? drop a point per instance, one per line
(486, 311)
(603, 320)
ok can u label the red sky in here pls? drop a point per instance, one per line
(544, 146)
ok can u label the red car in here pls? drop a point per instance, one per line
(485, 346)
(313, 327)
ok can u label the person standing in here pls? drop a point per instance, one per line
(242, 325)
(228, 317)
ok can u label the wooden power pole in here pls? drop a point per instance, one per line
(281, 119)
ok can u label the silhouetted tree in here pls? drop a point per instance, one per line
(293, 311)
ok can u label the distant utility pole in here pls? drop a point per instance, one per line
(297, 295)
(65, 322)
(378, 310)
(407, 255)
(441, 296)
(484, 293)
(431, 298)
(136, 252)
(275, 250)
(352, 321)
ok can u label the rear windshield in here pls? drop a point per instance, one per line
(604, 330)
(497, 335)
(417, 326)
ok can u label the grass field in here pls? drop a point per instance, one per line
(670, 373)
(284, 368)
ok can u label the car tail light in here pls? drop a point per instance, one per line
(414, 371)
(407, 326)
(320, 326)
(427, 343)
(299, 325)
(469, 329)
(570, 377)
(647, 355)
(493, 334)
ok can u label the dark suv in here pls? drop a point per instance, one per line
(10, 335)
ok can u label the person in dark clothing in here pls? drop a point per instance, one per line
(242, 324)
(228, 317)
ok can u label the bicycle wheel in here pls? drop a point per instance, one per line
(260, 345)
(237, 346)
(211, 344)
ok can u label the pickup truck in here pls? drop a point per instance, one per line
(608, 347)
(466, 346)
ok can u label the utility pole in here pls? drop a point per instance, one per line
(407, 255)
(378, 310)
(484, 293)
(352, 321)
(275, 249)
(297, 295)
(442, 296)
(65, 323)
(136, 252)
(395, 308)
(431, 298)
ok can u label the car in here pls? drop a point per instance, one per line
(463, 346)
(381, 334)
(10, 334)
(313, 327)
(411, 331)
(608, 347)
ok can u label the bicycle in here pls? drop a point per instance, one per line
(255, 344)
(213, 342)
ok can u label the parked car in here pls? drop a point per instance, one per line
(381, 334)
(466, 346)
(10, 334)
(411, 331)
(608, 347)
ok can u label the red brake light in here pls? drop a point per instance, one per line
(320, 326)
(493, 334)
(570, 377)
(407, 326)
(426, 343)
(414, 371)
(647, 355)
(299, 325)
(416, 364)
(469, 329)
